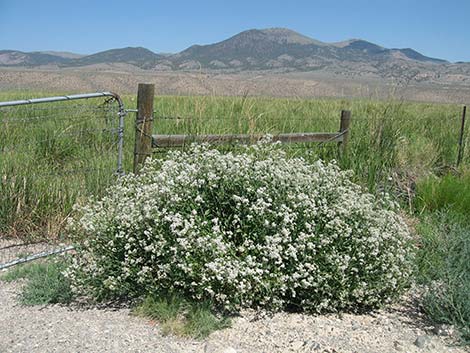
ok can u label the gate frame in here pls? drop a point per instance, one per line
(121, 112)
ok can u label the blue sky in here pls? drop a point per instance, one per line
(439, 28)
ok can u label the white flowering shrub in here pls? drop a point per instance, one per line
(248, 229)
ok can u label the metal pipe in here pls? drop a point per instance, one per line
(122, 113)
(461, 136)
(36, 256)
(61, 98)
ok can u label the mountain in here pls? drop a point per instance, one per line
(62, 54)
(272, 49)
(251, 49)
(137, 56)
(19, 58)
(283, 48)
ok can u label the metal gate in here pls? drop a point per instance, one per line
(54, 151)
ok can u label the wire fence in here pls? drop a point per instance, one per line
(58, 151)
(406, 130)
(53, 152)
(231, 132)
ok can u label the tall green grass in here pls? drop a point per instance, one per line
(443, 207)
(392, 145)
(389, 139)
(52, 155)
(451, 192)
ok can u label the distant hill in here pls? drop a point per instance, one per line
(140, 57)
(63, 54)
(19, 58)
(273, 49)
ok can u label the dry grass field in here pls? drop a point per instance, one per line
(124, 78)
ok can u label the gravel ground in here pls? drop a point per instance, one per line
(70, 329)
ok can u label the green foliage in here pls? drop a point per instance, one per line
(201, 321)
(45, 283)
(444, 266)
(448, 192)
(23, 271)
(162, 307)
(180, 317)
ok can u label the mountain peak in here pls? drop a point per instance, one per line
(345, 43)
(288, 36)
(138, 56)
(361, 45)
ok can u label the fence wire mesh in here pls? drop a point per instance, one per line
(389, 129)
(253, 126)
(52, 154)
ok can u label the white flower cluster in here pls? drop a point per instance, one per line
(253, 228)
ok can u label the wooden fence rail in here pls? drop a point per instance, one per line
(145, 141)
(182, 140)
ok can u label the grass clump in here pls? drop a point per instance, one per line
(180, 317)
(45, 283)
(444, 267)
(450, 192)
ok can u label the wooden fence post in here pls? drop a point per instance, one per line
(143, 125)
(461, 136)
(344, 129)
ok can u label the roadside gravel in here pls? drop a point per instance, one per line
(58, 328)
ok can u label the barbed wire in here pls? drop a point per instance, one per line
(46, 119)
(56, 117)
(58, 173)
(37, 145)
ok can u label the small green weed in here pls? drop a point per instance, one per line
(180, 317)
(45, 283)
(22, 271)
(201, 321)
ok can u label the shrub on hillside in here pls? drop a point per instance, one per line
(248, 229)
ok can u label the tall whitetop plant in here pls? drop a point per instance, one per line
(247, 229)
